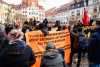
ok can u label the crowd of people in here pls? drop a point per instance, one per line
(14, 52)
(85, 41)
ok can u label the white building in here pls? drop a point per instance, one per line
(3, 12)
(64, 16)
(34, 12)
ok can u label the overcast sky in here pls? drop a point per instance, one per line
(53, 3)
(46, 3)
(15, 2)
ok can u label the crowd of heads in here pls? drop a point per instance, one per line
(15, 31)
(13, 35)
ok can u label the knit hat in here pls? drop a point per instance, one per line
(50, 45)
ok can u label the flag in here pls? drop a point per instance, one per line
(85, 18)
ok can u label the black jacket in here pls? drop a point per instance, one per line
(52, 59)
(43, 28)
(94, 47)
(17, 55)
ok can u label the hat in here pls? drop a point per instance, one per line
(50, 45)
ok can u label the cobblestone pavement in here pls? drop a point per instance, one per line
(84, 62)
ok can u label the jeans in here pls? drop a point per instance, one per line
(94, 65)
(81, 53)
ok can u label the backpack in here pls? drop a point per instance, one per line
(83, 41)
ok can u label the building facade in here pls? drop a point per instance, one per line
(72, 12)
(28, 9)
(34, 12)
(30, 2)
(4, 12)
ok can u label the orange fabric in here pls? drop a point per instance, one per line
(38, 62)
(37, 42)
(68, 49)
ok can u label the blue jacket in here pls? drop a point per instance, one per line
(94, 47)
(83, 41)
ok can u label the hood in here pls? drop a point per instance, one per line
(50, 45)
(18, 43)
(21, 43)
(16, 48)
(51, 54)
(53, 57)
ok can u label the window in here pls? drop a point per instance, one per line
(29, 8)
(87, 2)
(82, 4)
(75, 5)
(25, 11)
(72, 6)
(72, 13)
(95, 1)
(29, 13)
(99, 8)
(95, 9)
(78, 12)
(78, 5)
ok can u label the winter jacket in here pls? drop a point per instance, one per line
(94, 47)
(8, 29)
(52, 59)
(25, 28)
(83, 41)
(43, 28)
(74, 41)
(17, 55)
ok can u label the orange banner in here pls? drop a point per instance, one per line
(37, 42)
